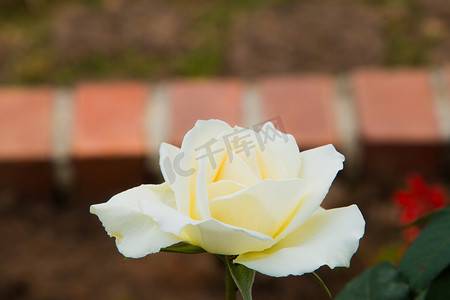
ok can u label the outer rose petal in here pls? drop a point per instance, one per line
(136, 234)
(212, 235)
(328, 237)
(319, 167)
(217, 237)
(167, 154)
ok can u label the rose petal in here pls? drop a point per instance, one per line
(136, 234)
(250, 157)
(171, 171)
(234, 168)
(184, 162)
(212, 235)
(167, 154)
(203, 132)
(234, 142)
(264, 207)
(319, 167)
(328, 237)
(244, 143)
(279, 156)
(201, 202)
(217, 237)
(223, 188)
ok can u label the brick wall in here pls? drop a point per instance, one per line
(97, 138)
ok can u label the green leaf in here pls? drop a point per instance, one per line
(242, 276)
(382, 282)
(322, 284)
(429, 254)
(183, 248)
(439, 288)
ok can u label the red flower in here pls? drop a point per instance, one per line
(416, 201)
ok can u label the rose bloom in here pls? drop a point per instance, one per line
(235, 191)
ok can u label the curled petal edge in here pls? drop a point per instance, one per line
(136, 234)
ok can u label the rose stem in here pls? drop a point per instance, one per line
(230, 285)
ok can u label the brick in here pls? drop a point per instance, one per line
(445, 120)
(109, 120)
(25, 123)
(397, 122)
(447, 80)
(193, 100)
(25, 142)
(444, 104)
(305, 105)
(108, 139)
(395, 106)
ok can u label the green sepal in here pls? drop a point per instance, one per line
(243, 277)
(183, 248)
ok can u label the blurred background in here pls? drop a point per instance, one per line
(45, 41)
(89, 89)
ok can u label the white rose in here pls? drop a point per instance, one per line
(234, 191)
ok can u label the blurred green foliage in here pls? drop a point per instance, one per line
(423, 272)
